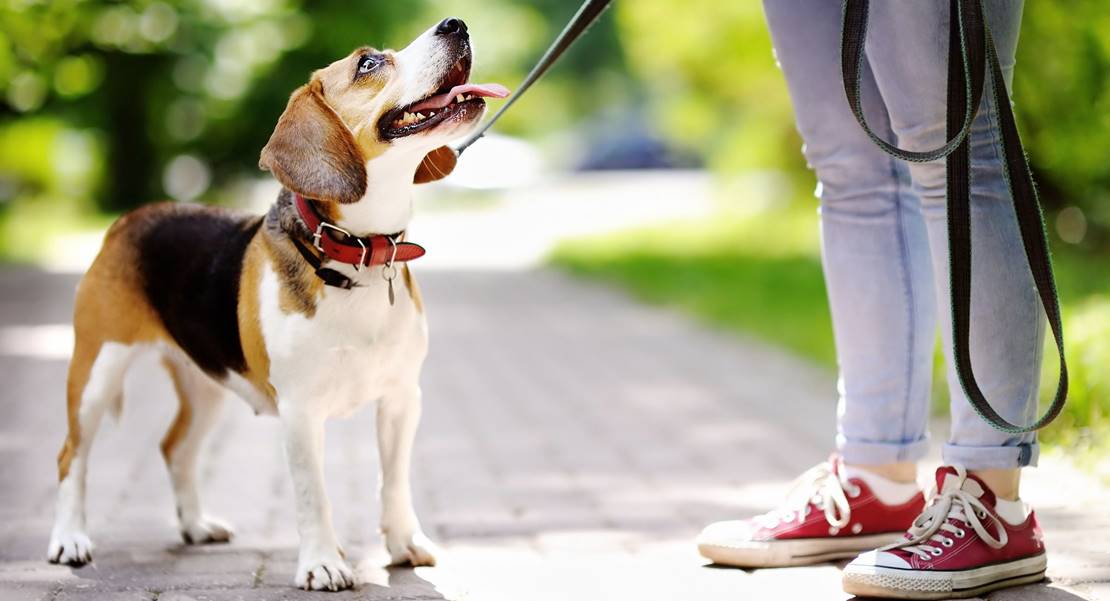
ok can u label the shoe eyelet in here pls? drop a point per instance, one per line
(925, 557)
(947, 542)
(961, 533)
(855, 492)
(937, 551)
(981, 515)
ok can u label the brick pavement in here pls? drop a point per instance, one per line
(573, 443)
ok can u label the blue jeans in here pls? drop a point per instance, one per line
(884, 240)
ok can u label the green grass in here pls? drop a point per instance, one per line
(753, 275)
(760, 274)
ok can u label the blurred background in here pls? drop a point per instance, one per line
(660, 154)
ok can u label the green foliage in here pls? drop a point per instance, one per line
(715, 89)
(152, 81)
(712, 80)
(1084, 283)
(1062, 96)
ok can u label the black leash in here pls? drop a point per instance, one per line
(586, 15)
(970, 52)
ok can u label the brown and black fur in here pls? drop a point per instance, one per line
(190, 265)
(188, 275)
(167, 272)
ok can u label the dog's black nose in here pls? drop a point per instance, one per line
(451, 25)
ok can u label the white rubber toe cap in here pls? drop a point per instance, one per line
(880, 559)
(726, 533)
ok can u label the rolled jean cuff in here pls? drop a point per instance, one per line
(982, 458)
(862, 452)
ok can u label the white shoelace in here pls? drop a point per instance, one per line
(823, 486)
(929, 532)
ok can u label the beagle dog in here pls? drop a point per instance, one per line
(305, 313)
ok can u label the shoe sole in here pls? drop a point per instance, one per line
(895, 583)
(793, 552)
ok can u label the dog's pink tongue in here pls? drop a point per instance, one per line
(485, 90)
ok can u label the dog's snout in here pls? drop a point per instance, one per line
(451, 26)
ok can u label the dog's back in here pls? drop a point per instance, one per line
(190, 262)
(170, 271)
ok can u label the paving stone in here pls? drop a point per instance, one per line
(100, 595)
(27, 591)
(1098, 591)
(573, 443)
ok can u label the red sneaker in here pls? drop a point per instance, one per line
(959, 547)
(826, 516)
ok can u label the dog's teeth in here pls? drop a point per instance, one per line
(459, 98)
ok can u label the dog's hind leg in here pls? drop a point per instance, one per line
(200, 399)
(95, 383)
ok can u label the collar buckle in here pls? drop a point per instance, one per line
(318, 235)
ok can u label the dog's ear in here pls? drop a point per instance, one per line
(312, 152)
(437, 164)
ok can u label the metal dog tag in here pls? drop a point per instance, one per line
(389, 272)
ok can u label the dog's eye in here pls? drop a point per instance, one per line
(366, 64)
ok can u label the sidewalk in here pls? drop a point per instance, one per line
(573, 444)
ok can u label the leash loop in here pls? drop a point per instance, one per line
(966, 44)
(971, 51)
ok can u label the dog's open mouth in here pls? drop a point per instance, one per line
(453, 97)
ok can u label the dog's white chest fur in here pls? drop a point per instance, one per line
(355, 348)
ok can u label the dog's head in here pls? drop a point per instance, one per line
(374, 103)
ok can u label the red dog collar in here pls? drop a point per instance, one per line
(354, 250)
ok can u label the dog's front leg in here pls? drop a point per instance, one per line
(320, 565)
(398, 416)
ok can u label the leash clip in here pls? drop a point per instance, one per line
(389, 270)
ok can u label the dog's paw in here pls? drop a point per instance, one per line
(414, 549)
(324, 574)
(205, 530)
(70, 548)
